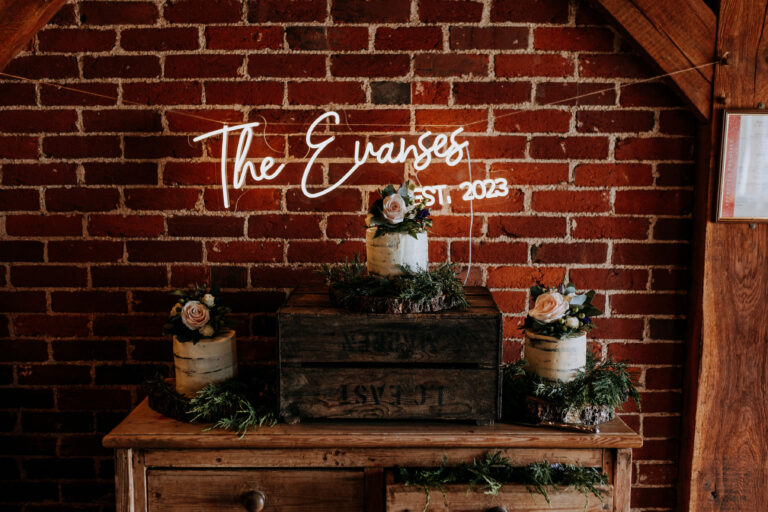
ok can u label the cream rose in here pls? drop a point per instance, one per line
(549, 307)
(394, 208)
(209, 300)
(194, 315)
(206, 330)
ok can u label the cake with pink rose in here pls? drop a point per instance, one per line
(396, 234)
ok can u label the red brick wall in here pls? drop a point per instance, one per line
(107, 206)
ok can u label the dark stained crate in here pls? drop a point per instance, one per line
(338, 364)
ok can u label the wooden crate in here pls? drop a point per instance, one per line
(338, 364)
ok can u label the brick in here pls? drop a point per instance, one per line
(531, 121)
(529, 11)
(59, 326)
(658, 474)
(292, 66)
(44, 67)
(651, 254)
(271, 277)
(120, 173)
(498, 146)
(165, 93)
(370, 11)
(244, 252)
(526, 226)
(372, 173)
(35, 121)
(610, 279)
(121, 121)
(75, 40)
(665, 329)
(203, 11)
(615, 121)
(121, 66)
(347, 38)
(481, 93)
(64, 17)
(324, 93)
(16, 251)
(81, 398)
(81, 146)
(44, 225)
(128, 276)
(191, 173)
(610, 227)
(562, 148)
(654, 148)
(252, 199)
(573, 39)
(654, 202)
(38, 421)
(29, 445)
(575, 93)
(12, 94)
(346, 227)
(612, 66)
(93, 94)
(284, 226)
(48, 276)
(247, 38)
(340, 200)
(323, 252)
(508, 204)
(59, 374)
(648, 95)
(125, 225)
(489, 38)
(545, 64)
(151, 350)
(390, 93)
(435, 64)
(202, 226)
(521, 277)
(19, 200)
(164, 251)
(230, 277)
(510, 302)
(85, 251)
(22, 302)
(187, 275)
(202, 120)
(677, 122)
(612, 174)
(409, 38)
(83, 199)
(570, 201)
(307, 38)
(161, 199)
(490, 252)
(670, 279)
(203, 66)
(159, 39)
(260, 11)
(569, 253)
(663, 378)
(235, 93)
(430, 93)
(650, 304)
(381, 64)
(123, 13)
(673, 229)
(160, 146)
(436, 11)
(618, 328)
(20, 491)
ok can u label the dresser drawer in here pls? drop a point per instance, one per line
(402, 498)
(283, 490)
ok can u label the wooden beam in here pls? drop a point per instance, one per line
(675, 35)
(726, 440)
(19, 22)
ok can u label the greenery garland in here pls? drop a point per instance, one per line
(230, 405)
(605, 384)
(493, 471)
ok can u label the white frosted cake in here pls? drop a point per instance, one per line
(384, 254)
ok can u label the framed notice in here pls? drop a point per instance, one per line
(743, 192)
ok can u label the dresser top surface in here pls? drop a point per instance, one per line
(145, 428)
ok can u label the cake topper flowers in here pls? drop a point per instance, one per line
(198, 313)
(397, 211)
(560, 312)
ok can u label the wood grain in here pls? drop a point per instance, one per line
(622, 480)
(19, 22)
(675, 38)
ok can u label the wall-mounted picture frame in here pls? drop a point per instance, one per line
(743, 190)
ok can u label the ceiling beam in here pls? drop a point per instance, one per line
(19, 22)
(675, 35)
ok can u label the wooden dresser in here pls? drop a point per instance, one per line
(163, 465)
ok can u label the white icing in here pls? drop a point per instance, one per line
(556, 359)
(385, 253)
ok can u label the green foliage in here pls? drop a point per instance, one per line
(230, 405)
(580, 308)
(493, 471)
(218, 314)
(606, 383)
(350, 282)
(416, 218)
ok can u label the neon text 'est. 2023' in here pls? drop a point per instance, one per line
(442, 146)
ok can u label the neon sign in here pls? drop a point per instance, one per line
(442, 146)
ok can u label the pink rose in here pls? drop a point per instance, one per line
(394, 208)
(194, 315)
(549, 307)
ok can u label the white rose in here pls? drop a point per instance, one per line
(194, 315)
(549, 307)
(207, 330)
(572, 322)
(394, 209)
(208, 300)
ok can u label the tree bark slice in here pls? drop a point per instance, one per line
(540, 410)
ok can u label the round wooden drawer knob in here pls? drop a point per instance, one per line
(254, 501)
